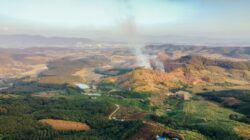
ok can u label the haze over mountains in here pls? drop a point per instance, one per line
(124, 70)
(26, 40)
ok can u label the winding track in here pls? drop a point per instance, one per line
(117, 108)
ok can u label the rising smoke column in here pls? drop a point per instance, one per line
(130, 29)
(157, 63)
(142, 59)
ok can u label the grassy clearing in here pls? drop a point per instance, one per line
(205, 111)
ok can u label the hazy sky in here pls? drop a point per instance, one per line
(111, 18)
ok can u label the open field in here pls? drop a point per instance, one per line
(62, 125)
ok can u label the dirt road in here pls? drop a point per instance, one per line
(117, 108)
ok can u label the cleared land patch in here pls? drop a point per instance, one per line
(65, 125)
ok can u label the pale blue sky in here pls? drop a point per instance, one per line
(107, 18)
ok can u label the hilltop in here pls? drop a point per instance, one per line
(187, 71)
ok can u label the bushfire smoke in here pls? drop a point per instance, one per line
(157, 64)
(130, 30)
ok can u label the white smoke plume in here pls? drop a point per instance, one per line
(142, 59)
(160, 66)
(157, 63)
(130, 30)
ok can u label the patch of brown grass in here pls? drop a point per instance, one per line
(35, 69)
(62, 125)
(146, 80)
(87, 75)
(60, 79)
(243, 130)
(230, 101)
(137, 116)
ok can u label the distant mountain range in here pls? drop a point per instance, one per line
(197, 40)
(26, 40)
(170, 49)
(23, 40)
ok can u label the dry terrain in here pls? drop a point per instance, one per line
(65, 125)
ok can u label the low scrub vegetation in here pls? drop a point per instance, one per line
(203, 117)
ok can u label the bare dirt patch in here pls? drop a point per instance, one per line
(230, 101)
(137, 116)
(62, 125)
